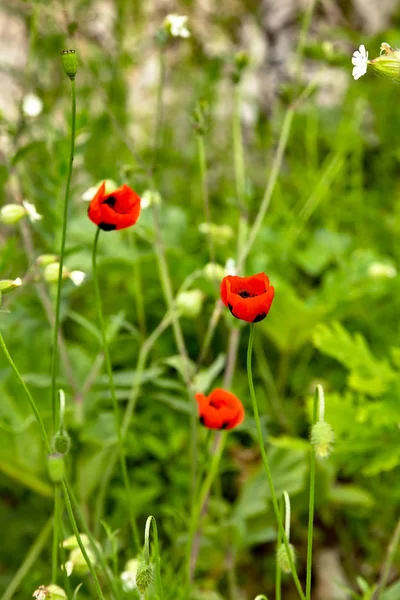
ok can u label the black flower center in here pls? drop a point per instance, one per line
(246, 294)
(110, 201)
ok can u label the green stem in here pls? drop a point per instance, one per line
(107, 359)
(94, 546)
(278, 572)
(29, 396)
(56, 541)
(200, 504)
(239, 167)
(30, 560)
(391, 551)
(61, 537)
(266, 464)
(62, 251)
(201, 151)
(311, 504)
(79, 540)
(137, 282)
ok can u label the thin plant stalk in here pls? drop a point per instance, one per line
(107, 359)
(28, 394)
(311, 502)
(56, 540)
(80, 543)
(30, 559)
(137, 281)
(61, 259)
(278, 572)
(202, 499)
(266, 464)
(390, 555)
(201, 152)
(239, 168)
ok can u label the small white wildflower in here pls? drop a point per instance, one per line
(128, 581)
(378, 269)
(32, 105)
(148, 198)
(17, 282)
(230, 267)
(77, 277)
(177, 25)
(31, 211)
(360, 62)
(41, 593)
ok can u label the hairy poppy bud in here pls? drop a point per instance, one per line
(55, 467)
(283, 559)
(69, 62)
(12, 213)
(61, 442)
(8, 285)
(144, 576)
(49, 592)
(322, 438)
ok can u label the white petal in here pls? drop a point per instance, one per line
(17, 281)
(32, 105)
(77, 277)
(31, 211)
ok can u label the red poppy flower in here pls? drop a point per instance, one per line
(220, 410)
(248, 298)
(117, 210)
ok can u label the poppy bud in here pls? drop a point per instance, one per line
(322, 438)
(46, 259)
(144, 576)
(69, 62)
(8, 285)
(190, 303)
(61, 442)
(55, 467)
(49, 592)
(283, 559)
(12, 213)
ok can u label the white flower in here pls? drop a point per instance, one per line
(77, 277)
(230, 267)
(360, 62)
(17, 282)
(128, 581)
(40, 593)
(32, 105)
(31, 211)
(148, 198)
(90, 193)
(177, 25)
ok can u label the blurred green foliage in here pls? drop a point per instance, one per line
(328, 244)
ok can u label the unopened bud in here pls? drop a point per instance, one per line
(61, 442)
(77, 563)
(388, 63)
(51, 272)
(283, 558)
(8, 285)
(190, 303)
(144, 576)
(69, 63)
(322, 438)
(46, 259)
(12, 213)
(55, 467)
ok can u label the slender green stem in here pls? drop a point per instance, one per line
(278, 572)
(56, 541)
(29, 396)
(200, 504)
(30, 559)
(113, 395)
(266, 464)
(240, 180)
(61, 537)
(80, 543)
(201, 152)
(303, 37)
(311, 502)
(62, 250)
(137, 281)
(390, 555)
